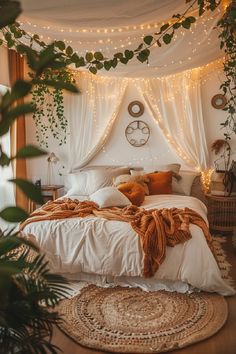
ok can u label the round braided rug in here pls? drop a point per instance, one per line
(125, 320)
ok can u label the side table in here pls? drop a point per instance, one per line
(50, 192)
(221, 212)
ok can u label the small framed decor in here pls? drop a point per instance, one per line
(137, 133)
(219, 101)
(136, 108)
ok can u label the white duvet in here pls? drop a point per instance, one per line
(109, 252)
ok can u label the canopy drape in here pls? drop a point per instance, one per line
(113, 26)
(92, 116)
(175, 104)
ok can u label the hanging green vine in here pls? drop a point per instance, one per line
(49, 114)
(227, 24)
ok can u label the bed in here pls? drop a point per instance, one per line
(109, 253)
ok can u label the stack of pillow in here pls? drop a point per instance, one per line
(121, 186)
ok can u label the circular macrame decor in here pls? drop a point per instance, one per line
(125, 320)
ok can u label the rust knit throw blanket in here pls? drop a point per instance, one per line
(157, 228)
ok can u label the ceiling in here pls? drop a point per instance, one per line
(113, 26)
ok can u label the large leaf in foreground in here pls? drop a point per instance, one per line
(13, 214)
(29, 189)
(9, 10)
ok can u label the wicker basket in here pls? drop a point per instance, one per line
(222, 212)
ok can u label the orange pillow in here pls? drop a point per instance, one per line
(133, 191)
(160, 183)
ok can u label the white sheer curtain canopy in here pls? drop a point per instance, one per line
(112, 26)
(92, 115)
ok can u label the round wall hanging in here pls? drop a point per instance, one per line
(135, 108)
(137, 133)
(219, 101)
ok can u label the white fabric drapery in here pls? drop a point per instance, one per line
(113, 26)
(175, 103)
(92, 116)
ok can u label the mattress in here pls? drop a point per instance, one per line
(109, 252)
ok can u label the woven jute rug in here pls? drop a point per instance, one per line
(128, 320)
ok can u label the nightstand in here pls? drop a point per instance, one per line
(221, 212)
(49, 193)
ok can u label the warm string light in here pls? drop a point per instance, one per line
(111, 30)
(206, 179)
(108, 44)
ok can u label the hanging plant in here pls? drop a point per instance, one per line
(227, 24)
(49, 114)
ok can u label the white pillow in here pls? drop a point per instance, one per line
(89, 181)
(109, 197)
(184, 185)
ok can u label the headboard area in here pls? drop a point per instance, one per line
(90, 177)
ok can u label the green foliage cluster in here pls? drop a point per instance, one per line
(227, 25)
(49, 108)
(27, 290)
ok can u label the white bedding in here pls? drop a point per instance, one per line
(103, 251)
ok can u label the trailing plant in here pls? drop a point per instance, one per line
(27, 291)
(95, 61)
(227, 24)
(49, 108)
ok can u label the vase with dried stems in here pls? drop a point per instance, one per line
(222, 173)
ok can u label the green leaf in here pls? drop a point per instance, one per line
(13, 214)
(20, 89)
(19, 110)
(167, 38)
(129, 54)
(9, 10)
(186, 23)
(191, 19)
(114, 62)
(99, 66)
(143, 55)
(89, 56)
(13, 114)
(107, 65)
(176, 25)
(148, 39)
(29, 189)
(93, 70)
(29, 151)
(60, 45)
(98, 56)
(4, 159)
(30, 54)
(118, 55)
(69, 50)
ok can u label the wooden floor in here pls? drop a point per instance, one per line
(224, 342)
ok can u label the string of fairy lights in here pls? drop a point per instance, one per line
(112, 39)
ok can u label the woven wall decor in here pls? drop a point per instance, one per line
(128, 320)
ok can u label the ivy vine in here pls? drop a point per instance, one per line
(95, 61)
(227, 24)
(49, 108)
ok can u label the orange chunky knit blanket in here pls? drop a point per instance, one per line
(157, 228)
